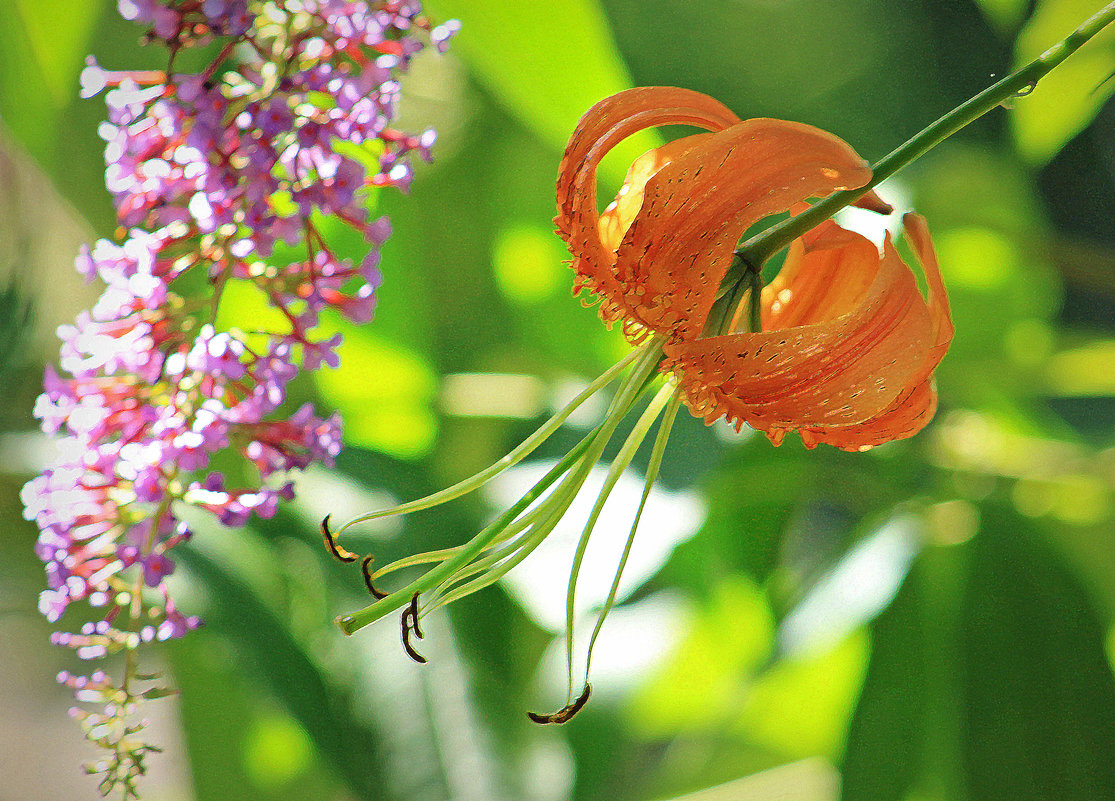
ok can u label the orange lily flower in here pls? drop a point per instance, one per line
(849, 344)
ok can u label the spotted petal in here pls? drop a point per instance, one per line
(605, 125)
(680, 245)
(849, 350)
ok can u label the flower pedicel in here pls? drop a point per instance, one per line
(841, 346)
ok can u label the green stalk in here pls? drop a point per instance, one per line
(562, 499)
(465, 554)
(514, 457)
(497, 563)
(757, 250)
(447, 553)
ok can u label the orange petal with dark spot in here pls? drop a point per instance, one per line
(679, 246)
(605, 125)
(850, 371)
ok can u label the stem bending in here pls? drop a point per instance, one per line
(758, 249)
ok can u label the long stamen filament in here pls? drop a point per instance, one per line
(574, 467)
(446, 553)
(529, 530)
(619, 464)
(554, 508)
(653, 467)
(514, 457)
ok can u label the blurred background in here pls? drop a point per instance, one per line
(929, 621)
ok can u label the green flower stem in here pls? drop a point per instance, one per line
(757, 250)
(447, 553)
(551, 513)
(619, 464)
(653, 467)
(514, 457)
(591, 447)
(541, 522)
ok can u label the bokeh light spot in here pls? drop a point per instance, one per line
(976, 258)
(276, 751)
(527, 261)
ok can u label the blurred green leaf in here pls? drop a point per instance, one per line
(384, 391)
(230, 730)
(800, 706)
(1067, 99)
(44, 54)
(1006, 14)
(547, 63)
(702, 683)
(1040, 706)
(16, 315)
(283, 667)
(886, 737)
(57, 43)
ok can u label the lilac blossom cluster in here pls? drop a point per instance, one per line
(209, 172)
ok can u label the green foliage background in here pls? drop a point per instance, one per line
(971, 662)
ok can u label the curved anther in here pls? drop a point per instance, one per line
(566, 712)
(366, 569)
(342, 554)
(409, 622)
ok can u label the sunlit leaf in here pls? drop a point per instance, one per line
(57, 42)
(277, 751)
(801, 706)
(383, 390)
(701, 685)
(545, 62)
(528, 263)
(43, 55)
(1085, 370)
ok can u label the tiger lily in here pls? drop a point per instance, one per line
(848, 345)
(841, 346)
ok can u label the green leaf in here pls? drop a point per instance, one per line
(546, 63)
(287, 672)
(700, 685)
(885, 739)
(44, 47)
(1005, 14)
(383, 390)
(800, 706)
(1067, 99)
(1040, 707)
(56, 43)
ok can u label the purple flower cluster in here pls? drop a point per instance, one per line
(209, 172)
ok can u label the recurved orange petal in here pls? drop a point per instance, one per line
(680, 245)
(604, 125)
(915, 405)
(850, 353)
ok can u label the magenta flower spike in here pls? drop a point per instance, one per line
(208, 172)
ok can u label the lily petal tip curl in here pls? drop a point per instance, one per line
(849, 344)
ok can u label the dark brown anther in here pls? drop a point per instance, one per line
(412, 610)
(366, 569)
(566, 713)
(343, 554)
(409, 621)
